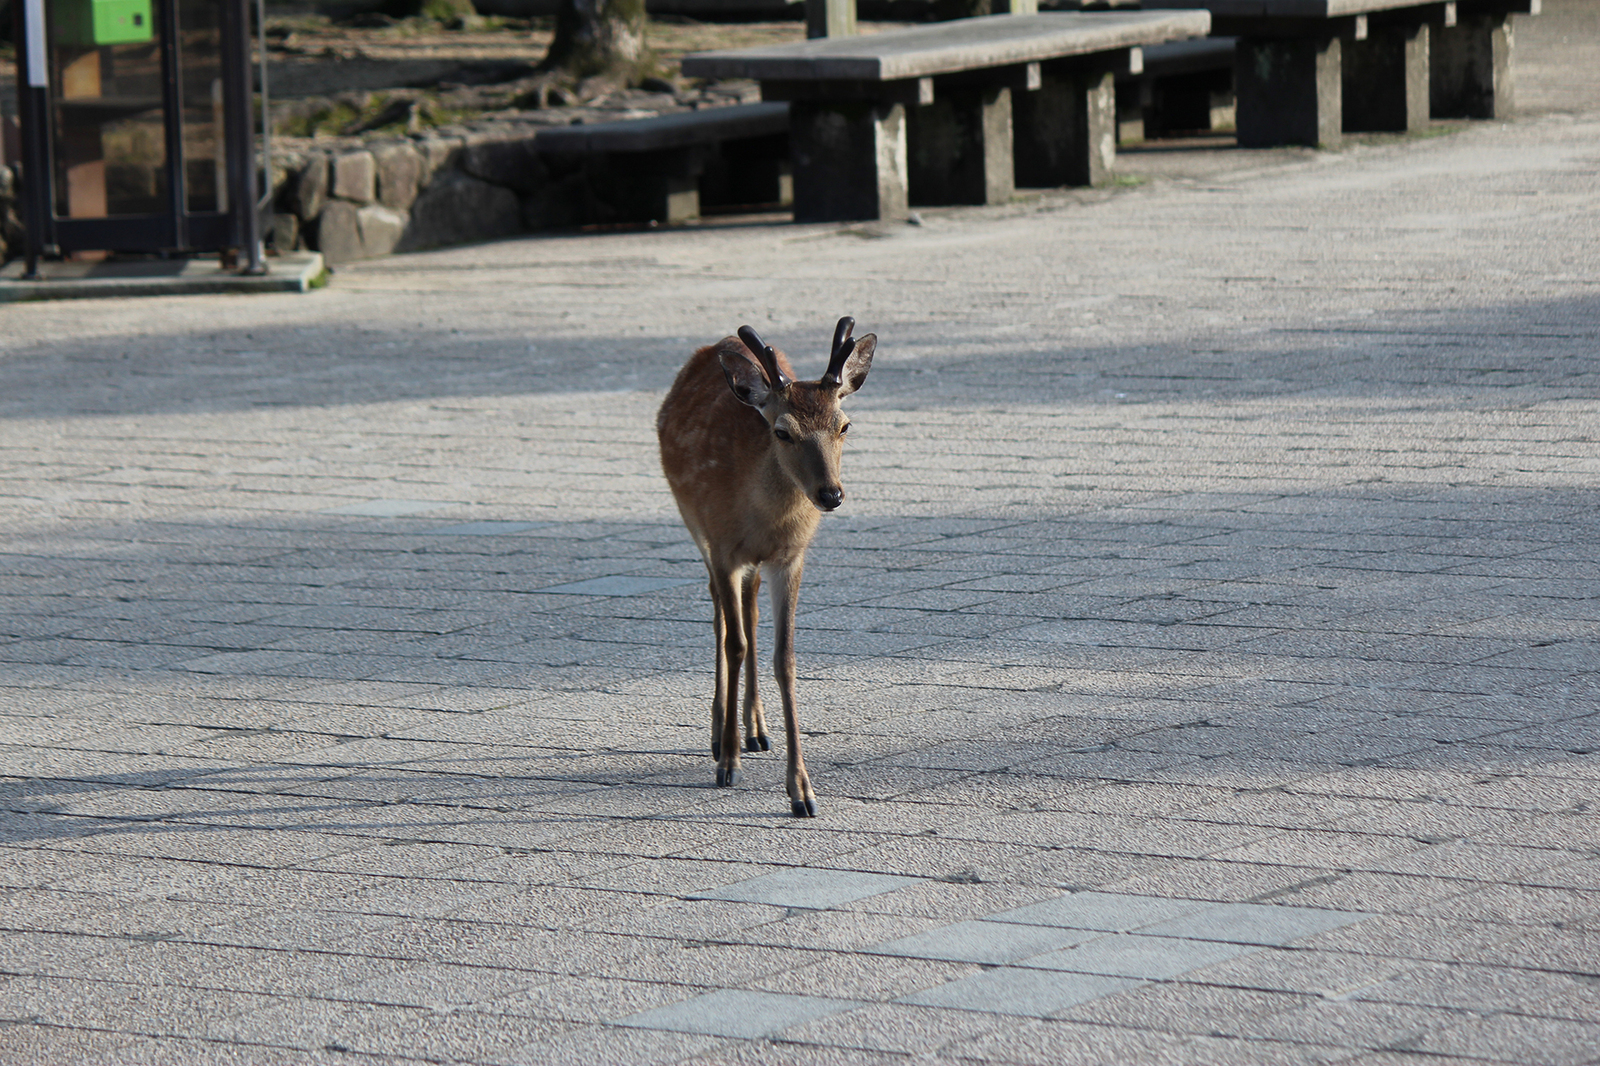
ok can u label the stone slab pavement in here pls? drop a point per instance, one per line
(1204, 667)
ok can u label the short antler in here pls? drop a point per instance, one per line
(842, 347)
(765, 356)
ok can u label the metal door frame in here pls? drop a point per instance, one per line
(176, 230)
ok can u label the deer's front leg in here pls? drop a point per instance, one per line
(755, 724)
(725, 590)
(785, 591)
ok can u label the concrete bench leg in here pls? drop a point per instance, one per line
(1471, 61)
(1065, 131)
(1385, 79)
(1289, 91)
(849, 161)
(958, 148)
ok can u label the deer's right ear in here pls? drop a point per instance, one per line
(749, 385)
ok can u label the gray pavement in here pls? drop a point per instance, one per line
(1203, 668)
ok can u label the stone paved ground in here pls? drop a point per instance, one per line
(1203, 668)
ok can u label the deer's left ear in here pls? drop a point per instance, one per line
(749, 385)
(854, 373)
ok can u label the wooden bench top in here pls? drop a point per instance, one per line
(950, 47)
(681, 130)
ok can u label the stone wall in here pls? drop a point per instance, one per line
(358, 201)
(11, 235)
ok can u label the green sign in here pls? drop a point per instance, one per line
(89, 23)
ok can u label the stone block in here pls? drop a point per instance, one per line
(1155, 958)
(459, 209)
(310, 190)
(1108, 911)
(738, 1014)
(513, 164)
(438, 153)
(990, 943)
(812, 889)
(355, 177)
(399, 175)
(282, 232)
(1034, 993)
(381, 229)
(339, 232)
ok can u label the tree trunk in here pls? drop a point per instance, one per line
(599, 37)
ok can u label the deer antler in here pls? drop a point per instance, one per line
(765, 356)
(842, 347)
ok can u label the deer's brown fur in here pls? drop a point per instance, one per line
(752, 458)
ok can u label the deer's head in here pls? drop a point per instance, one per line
(807, 427)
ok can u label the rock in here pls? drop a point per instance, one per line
(346, 232)
(355, 177)
(514, 164)
(380, 229)
(311, 189)
(399, 169)
(437, 154)
(339, 232)
(458, 209)
(282, 231)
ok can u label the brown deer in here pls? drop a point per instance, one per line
(752, 457)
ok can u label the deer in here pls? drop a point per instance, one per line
(752, 457)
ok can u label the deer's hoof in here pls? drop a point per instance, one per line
(727, 775)
(806, 808)
(757, 743)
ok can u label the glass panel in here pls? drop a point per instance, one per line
(110, 146)
(200, 60)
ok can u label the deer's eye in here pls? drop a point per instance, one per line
(782, 434)
(844, 429)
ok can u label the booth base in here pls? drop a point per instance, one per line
(72, 280)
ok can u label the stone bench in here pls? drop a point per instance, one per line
(1309, 71)
(737, 154)
(952, 113)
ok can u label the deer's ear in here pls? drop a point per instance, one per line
(854, 373)
(749, 385)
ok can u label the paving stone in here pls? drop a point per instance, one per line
(811, 889)
(1249, 923)
(1105, 911)
(1007, 990)
(985, 942)
(1148, 957)
(735, 1013)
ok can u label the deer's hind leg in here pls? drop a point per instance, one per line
(719, 697)
(755, 726)
(731, 645)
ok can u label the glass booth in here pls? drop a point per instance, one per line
(139, 113)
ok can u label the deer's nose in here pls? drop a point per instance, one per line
(829, 498)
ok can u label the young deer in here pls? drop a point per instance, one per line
(752, 457)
